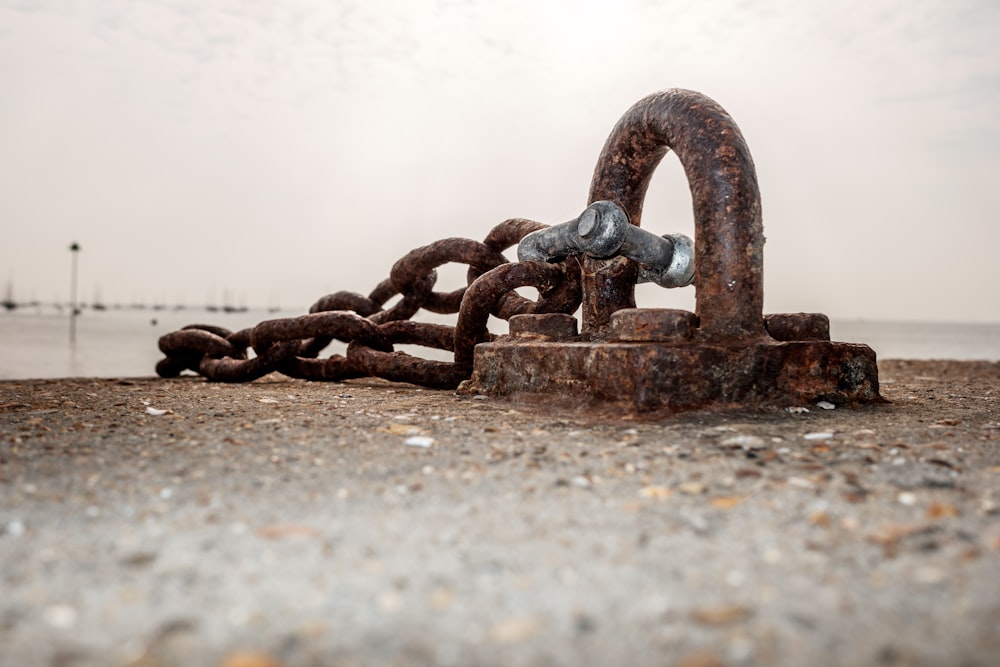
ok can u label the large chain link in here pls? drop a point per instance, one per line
(292, 345)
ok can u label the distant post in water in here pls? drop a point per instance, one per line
(75, 250)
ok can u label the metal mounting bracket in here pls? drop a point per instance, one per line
(727, 353)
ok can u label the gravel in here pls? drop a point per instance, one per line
(149, 522)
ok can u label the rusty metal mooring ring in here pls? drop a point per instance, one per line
(729, 234)
(726, 353)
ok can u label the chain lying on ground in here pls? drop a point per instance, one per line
(292, 346)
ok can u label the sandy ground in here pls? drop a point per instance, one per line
(147, 522)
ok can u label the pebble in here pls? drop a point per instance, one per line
(15, 528)
(279, 531)
(697, 523)
(726, 502)
(819, 518)
(929, 575)
(401, 429)
(514, 630)
(389, 601)
(442, 598)
(735, 578)
(700, 659)
(155, 411)
(818, 435)
(419, 441)
(60, 616)
(250, 659)
(825, 405)
(772, 555)
(725, 614)
(238, 616)
(744, 441)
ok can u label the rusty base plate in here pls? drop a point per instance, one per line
(665, 377)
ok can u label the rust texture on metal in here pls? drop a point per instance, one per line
(653, 377)
(798, 326)
(729, 234)
(484, 296)
(545, 326)
(725, 354)
(292, 345)
(653, 325)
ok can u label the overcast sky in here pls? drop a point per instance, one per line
(281, 151)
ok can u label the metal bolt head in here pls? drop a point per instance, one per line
(797, 326)
(588, 223)
(602, 229)
(547, 326)
(653, 325)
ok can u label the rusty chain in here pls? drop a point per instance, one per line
(292, 345)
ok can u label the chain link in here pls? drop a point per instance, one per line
(292, 345)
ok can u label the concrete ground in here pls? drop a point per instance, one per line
(149, 522)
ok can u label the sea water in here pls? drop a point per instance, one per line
(35, 342)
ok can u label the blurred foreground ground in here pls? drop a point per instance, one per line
(147, 522)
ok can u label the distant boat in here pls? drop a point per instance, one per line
(229, 307)
(98, 304)
(8, 299)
